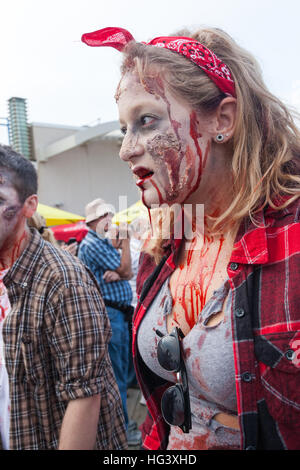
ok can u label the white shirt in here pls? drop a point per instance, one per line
(135, 249)
(4, 384)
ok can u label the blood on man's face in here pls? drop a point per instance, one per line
(165, 142)
(10, 211)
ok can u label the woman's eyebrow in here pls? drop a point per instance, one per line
(136, 110)
(133, 113)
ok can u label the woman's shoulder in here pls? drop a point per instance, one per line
(290, 214)
(283, 242)
(146, 267)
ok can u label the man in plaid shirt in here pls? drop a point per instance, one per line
(112, 272)
(62, 389)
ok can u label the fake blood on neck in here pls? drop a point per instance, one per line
(8, 258)
(193, 280)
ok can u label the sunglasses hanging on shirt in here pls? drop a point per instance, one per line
(175, 402)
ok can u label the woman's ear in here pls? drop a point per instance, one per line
(225, 119)
(30, 206)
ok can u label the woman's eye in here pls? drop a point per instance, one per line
(146, 120)
(123, 130)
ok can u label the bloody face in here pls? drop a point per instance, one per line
(10, 211)
(166, 143)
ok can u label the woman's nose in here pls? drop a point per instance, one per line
(131, 147)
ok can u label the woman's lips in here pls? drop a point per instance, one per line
(141, 181)
(143, 174)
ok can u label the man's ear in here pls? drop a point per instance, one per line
(30, 206)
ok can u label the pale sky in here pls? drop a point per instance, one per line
(67, 82)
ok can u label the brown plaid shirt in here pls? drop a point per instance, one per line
(56, 338)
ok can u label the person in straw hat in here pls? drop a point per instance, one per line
(112, 271)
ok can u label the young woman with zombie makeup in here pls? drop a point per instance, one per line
(216, 329)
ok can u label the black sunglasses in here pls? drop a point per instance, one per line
(175, 402)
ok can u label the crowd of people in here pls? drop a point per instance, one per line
(112, 256)
(213, 342)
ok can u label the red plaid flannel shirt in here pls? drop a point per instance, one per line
(264, 274)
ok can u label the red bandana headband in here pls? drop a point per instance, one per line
(218, 72)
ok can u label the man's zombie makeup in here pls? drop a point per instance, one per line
(10, 216)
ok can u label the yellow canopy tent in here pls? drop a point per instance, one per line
(54, 216)
(128, 215)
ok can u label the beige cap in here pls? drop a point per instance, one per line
(96, 209)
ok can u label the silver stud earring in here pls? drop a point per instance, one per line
(220, 138)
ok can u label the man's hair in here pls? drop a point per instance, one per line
(22, 174)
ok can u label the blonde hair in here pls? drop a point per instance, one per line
(37, 221)
(266, 141)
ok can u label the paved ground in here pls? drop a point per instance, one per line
(136, 411)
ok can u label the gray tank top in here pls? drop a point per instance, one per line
(209, 363)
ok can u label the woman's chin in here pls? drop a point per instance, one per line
(151, 200)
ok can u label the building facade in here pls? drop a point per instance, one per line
(78, 164)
